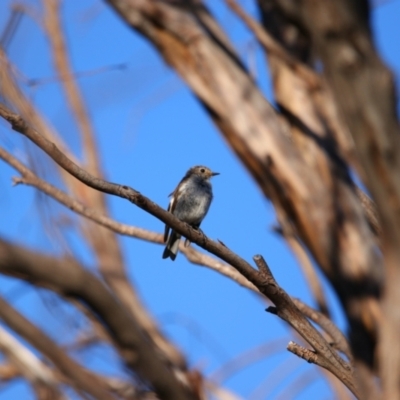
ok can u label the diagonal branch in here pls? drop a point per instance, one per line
(28, 177)
(272, 46)
(264, 282)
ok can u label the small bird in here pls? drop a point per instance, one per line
(189, 202)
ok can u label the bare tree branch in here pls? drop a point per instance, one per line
(261, 280)
(29, 178)
(247, 358)
(323, 355)
(339, 341)
(71, 280)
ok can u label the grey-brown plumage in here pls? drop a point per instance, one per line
(189, 202)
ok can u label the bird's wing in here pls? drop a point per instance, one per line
(170, 208)
(172, 203)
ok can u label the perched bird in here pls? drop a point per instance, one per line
(189, 202)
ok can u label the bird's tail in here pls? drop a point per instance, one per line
(171, 250)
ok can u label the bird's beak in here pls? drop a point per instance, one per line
(214, 173)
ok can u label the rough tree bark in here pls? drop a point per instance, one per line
(297, 153)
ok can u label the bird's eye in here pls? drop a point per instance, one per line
(202, 170)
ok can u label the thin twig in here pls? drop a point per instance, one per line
(287, 310)
(306, 354)
(286, 230)
(270, 45)
(53, 25)
(238, 363)
(339, 341)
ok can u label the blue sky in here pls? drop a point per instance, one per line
(150, 130)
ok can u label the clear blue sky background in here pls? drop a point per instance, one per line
(150, 130)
